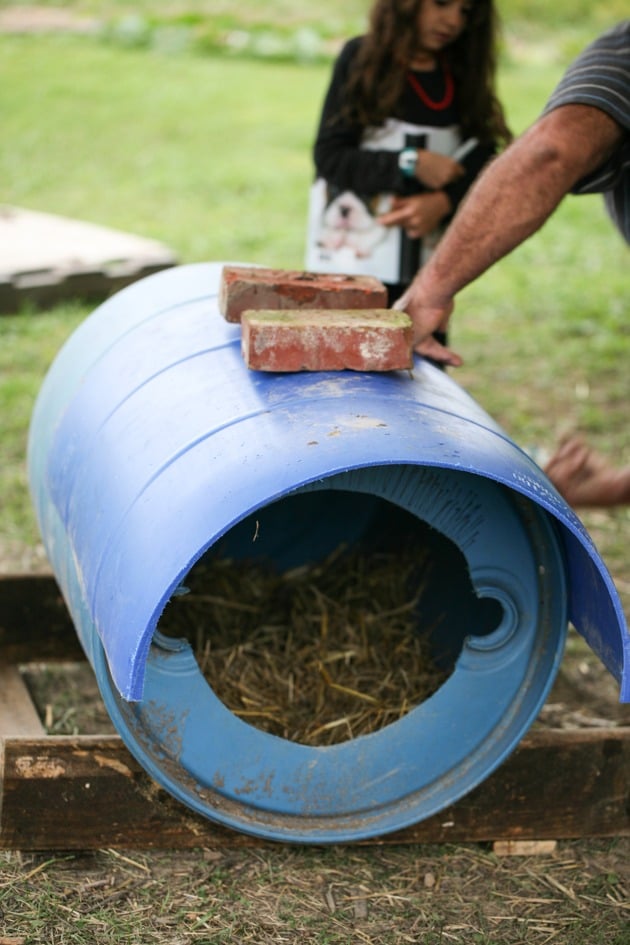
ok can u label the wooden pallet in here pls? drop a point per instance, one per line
(87, 792)
(46, 259)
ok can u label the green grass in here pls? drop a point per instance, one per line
(459, 895)
(195, 152)
(28, 344)
(212, 156)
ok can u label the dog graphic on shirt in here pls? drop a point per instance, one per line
(349, 221)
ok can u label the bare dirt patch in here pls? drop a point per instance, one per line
(38, 19)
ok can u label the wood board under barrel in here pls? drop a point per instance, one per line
(87, 791)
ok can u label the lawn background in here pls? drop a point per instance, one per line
(192, 123)
(171, 128)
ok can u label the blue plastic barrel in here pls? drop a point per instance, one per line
(152, 445)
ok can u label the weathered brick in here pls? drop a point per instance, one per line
(250, 287)
(327, 340)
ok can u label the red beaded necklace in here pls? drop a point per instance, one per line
(449, 90)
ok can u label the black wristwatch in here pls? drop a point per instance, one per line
(407, 160)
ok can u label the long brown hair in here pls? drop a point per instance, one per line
(378, 74)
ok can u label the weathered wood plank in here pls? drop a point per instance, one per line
(18, 716)
(48, 258)
(87, 792)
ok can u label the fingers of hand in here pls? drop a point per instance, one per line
(401, 303)
(570, 457)
(396, 217)
(431, 348)
(411, 214)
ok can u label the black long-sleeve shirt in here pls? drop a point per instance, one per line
(338, 155)
(349, 156)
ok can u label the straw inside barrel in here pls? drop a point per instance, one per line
(319, 654)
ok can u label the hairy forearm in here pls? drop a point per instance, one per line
(508, 204)
(517, 193)
(510, 200)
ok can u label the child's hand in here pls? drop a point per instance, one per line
(418, 215)
(436, 170)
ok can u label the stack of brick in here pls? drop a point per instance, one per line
(304, 321)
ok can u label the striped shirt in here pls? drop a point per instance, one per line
(600, 77)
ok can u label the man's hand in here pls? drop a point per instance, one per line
(431, 348)
(428, 315)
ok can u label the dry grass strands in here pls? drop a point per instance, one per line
(317, 655)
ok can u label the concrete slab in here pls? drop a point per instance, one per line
(46, 258)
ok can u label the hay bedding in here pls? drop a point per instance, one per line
(318, 655)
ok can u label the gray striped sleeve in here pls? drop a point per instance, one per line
(600, 77)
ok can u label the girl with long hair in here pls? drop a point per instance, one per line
(409, 119)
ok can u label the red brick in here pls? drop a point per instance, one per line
(327, 340)
(250, 287)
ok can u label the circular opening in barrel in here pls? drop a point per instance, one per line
(328, 615)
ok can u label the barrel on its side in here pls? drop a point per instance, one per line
(152, 445)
